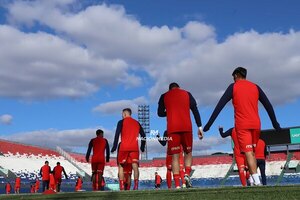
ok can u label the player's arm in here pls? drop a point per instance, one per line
(88, 153)
(161, 110)
(163, 140)
(65, 173)
(143, 138)
(195, 111)
(41, 172)
(226, 134)
(269, 108)
(227, 96)
(117, 135)
(53, 172)
(107, 151)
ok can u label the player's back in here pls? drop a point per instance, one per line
(99, 146)
(245, 102)
(129, 135)
(57, 171)
(177, 103)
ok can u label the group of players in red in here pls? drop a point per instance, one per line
(176, 105)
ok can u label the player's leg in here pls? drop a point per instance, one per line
(134, 157)
(174, 150)
(169, 178)
(181, 170)
(241, 168)
(245, 140)
(262, 168)
(187, 145)
(136, 175)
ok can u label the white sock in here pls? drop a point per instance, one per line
(256, 178)
(250, 179)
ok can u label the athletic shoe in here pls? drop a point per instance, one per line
(257, 184)
(178, 187)
(184, 185)
(188, 181)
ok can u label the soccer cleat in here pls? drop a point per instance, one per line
(257, 184)
(184, 185)
(188, 181)
(178, 187)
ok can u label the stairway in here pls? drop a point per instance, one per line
(85, 176)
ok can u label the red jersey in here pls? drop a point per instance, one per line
(157, 179)
(177, 103)
(18, 182)
(260, 150)
(57, 171)
(245, 102)
(45, 172)
(99, 147)
(129, 135)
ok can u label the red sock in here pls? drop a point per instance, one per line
(136, 184)
(176, 180)
(128, 186)
(188, 170)
(243, 177)
(121, 183)
(169, 178)
(182, 176)
(247, 174)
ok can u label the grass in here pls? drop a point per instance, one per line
(265, 193)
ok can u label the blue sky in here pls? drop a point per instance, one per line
(68, 67)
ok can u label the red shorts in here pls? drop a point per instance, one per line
(128, 156)
(98, 167)
(247, 139)
(169, 162)
(176, 140)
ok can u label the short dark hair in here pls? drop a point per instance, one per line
(173, 85)
(99, 131)
(58, 163)
(241, 71)
(46, 162)
(128, 110)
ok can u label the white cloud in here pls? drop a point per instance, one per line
(114, 107)
(189, 55)
(6, 119)
(66, 139)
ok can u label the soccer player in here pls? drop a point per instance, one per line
(129, 129)
(245, 96)
(176, 105)
(163, 142)
(157, 180)
(8, 188)
(37, 185)
(260, 155)
(238, 156)
(78, 185)
(45, 174)
(99, 145)
(57, 170)
(17, 185)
